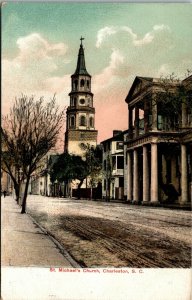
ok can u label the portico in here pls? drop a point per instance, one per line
(159, 153)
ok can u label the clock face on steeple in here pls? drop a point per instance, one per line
(82, 101)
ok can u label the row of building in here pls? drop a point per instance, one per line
(151, 161)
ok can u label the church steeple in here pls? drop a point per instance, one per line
(81, 68)
(80, 125)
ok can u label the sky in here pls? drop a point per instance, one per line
(40, 43)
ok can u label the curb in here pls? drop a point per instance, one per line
(59, 246)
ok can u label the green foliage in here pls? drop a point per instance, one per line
(93, 158)
(173, 93)
(68, 167)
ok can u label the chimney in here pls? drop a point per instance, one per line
(116, 132)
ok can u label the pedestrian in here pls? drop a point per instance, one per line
(4, 193)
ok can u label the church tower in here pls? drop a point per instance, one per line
(80, 123)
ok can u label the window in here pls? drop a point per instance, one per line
(120, 162)
(114, 162)
(72, 121)
(104, 165)
(82, 121)
(91, 122)
(160, 124)
(82, 83)
(104, 185)
(119, 145)
(141, 123)
(121, 181)
(88, 84)
(75, 101)
(76, 84)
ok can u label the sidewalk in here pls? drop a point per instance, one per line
(24, 244)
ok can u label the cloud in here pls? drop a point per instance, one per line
(105, 78)
(179, 70)
(147, 38)
(34, 46)
(103, 34)
(32, 70)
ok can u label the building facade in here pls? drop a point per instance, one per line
(113, 166)
(159, 144)
(80, 124)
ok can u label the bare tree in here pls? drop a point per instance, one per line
(29, 131)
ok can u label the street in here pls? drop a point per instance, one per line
(101, 234)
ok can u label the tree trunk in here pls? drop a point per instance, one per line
(16, 188)
(65, 188)
(109, 190)
(23, 210)
(16, 185)
(91, 193)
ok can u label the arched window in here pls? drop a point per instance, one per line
(72, 121)
(82, 121)
(88, 84)
(75, 84)
(82, 83)
(91, 122)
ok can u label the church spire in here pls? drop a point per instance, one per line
(81, 68)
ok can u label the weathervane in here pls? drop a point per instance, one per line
(82, 40)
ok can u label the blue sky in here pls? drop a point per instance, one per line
(40, 42)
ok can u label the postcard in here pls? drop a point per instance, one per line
(96, 167)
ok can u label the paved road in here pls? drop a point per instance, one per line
(100, 234)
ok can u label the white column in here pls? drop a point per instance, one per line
(154, 173)
(145, 175)
(129, 177)
(184, 181)
(135, 177)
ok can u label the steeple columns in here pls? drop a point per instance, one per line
(81, 83)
